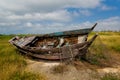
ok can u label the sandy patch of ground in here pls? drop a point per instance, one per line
(45, 67)
(109, 70)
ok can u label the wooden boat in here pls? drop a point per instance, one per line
(55, 46)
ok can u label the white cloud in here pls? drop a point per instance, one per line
(8, 24)
(23, 11)
(43, 16)
(112, 23)
(85, 12)
(29, 24)
(46, 5)
(104, 7)
(61, 15)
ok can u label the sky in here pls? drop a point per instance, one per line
(47, 16)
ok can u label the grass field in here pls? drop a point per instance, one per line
(106, 46)
(110, 39)
(12, 64)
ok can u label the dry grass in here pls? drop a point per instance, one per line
(104, 49)
(12, 63)
(27, 76)
(111, 76)
(110, 39)
(61, 68)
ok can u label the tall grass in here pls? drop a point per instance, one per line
(110, 39)
(12, 64)
(101, 51)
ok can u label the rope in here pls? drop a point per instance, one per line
(71, 52)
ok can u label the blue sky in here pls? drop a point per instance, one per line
(38, 16)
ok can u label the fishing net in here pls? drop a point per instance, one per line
(67, 54)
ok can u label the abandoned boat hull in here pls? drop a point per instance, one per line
(65, 52)
(32, 47)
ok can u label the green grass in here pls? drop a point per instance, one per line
(12, 64)
(106, 44)
(111, 39)
(111, 76)
(26, 76)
